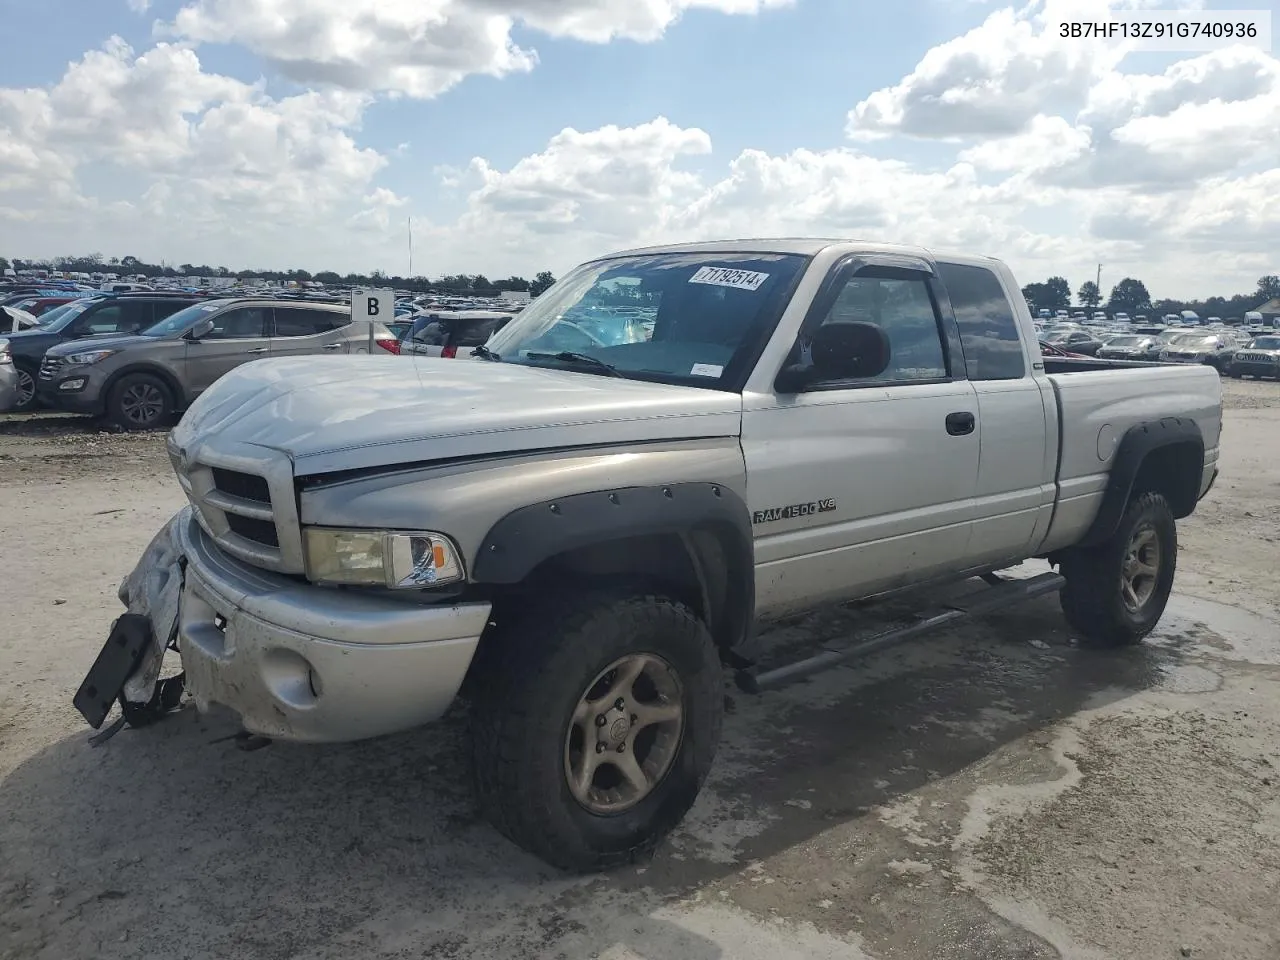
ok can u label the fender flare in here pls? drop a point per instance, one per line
(711, 521)
(1138, 443)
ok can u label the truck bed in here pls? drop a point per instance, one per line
(1097, 402)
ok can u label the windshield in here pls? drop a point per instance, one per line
(1265, 343)
(1061, 336)
(1126, 341)
(65, 314)
(689, 318)
(1194, 340)
(51, 316)
(177, 323)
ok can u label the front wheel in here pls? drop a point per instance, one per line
(595, 720)
(139, 401)
(1116, 592)
(26, 400)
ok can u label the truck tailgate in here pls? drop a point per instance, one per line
(1097, 407)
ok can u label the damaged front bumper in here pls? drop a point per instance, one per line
(301, 662)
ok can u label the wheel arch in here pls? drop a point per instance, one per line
(1159, 456)
(694, 539)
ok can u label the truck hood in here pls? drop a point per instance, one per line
(345, 413)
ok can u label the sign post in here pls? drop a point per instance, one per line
(373, 306)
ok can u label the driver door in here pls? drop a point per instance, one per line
(860, 486)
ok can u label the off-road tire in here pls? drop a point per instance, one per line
(1093, 599)
(534, 666)
(122, 392)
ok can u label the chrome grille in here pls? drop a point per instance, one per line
(245, 502)
(50, 366)
(1257, 357)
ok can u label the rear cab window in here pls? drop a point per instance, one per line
(988, 328)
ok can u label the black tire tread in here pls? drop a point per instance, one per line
(518, 666)
(115, 413)
(1089, 597)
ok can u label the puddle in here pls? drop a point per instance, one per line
(1249, 638)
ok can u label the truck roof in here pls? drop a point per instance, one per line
(806, 246)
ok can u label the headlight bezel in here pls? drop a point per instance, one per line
(79, 359)
(392, 559)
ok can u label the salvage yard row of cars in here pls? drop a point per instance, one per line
(136, 358)
(1236, 353)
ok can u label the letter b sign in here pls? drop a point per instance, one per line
(371, 306)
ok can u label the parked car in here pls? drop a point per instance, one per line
(13, 320)
(1125, 347)
(448, 333)
(8, 379)
(1260, 358)
(1048, 349)
(1076, 341)
(138, 381)
(1162, 339)
(399, 328)
(588, 537)
(37, 306)
(1198, 347)
(111, 315)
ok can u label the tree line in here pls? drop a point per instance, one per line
(1130, 296)
(475, 285)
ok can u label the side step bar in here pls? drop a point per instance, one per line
(1002, 593)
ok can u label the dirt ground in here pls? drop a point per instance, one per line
(991, 792)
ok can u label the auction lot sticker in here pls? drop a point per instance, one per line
(727, 277)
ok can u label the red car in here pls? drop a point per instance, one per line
(41, 305)
(1049, 350)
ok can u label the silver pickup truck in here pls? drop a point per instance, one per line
(579, 528)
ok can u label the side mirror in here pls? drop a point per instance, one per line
(201, 329)
(847, 350)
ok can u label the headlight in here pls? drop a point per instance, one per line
(90, 356)
(380, 558)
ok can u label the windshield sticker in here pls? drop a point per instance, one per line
(706, 370)
(726, 277)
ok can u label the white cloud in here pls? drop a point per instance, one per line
(212, 153)
(420, 48)
(139, 6)
(992, 80)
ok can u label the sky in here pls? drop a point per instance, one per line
(513, 136)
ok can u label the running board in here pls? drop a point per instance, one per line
(1000, 594)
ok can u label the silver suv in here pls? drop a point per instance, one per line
(139, 381)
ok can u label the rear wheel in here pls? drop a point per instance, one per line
(595, 719)
(139, 401)
(1116, 592)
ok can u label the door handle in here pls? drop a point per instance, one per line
(259, 350)
(333, 346)
(959, 424)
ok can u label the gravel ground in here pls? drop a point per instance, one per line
(991, 792)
